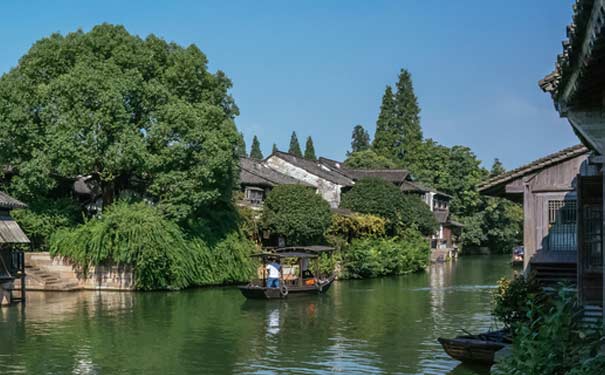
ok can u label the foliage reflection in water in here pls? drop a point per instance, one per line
(380, 326)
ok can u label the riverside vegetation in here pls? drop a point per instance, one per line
(548, 337)
(152, 132)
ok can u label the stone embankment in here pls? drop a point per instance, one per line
(46, 273)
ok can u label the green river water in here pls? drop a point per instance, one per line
(381, 326)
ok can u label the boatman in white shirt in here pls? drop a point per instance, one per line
(273, 270)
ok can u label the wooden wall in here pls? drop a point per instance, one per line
(556, 182)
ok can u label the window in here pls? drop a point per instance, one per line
(561, 225)
(254, 195)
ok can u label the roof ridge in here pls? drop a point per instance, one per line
(561, 155)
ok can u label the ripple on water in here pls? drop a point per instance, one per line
(383, 326)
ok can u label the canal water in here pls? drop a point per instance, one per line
(381, 326)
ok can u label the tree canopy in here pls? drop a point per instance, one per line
(294, 148)
(368, 159)
(255, 152)
(135, 114)
(310, 149)
(379, 197)
(398, 130)
(297, 213)
(360, 139)
(497, 168)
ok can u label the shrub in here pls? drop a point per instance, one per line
(374, 257)
(297, 213)
(511, 299)
(44, 217)
(134, 234)
(349, 227)
(551, 342)
(378, 197)
(592, 366)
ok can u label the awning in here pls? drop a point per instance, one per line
(11, 232)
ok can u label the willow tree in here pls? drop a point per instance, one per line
(135, 114)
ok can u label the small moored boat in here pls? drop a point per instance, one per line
(296, 277)
(476, 348)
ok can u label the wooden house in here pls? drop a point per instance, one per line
(12, 240)
(547, 190)
(577, 88)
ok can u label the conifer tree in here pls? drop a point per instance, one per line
(407, 113)
(497, 168)
(398, 132)
(384, 139)
(360, 139)
(274, 149)
(295, 146)
(241, 146)
(255, 152)
(310, 149)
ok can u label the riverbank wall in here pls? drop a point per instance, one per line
(46, 273)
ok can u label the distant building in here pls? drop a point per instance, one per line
(257, 179)
(328, 182)
(330, 178)
(449, 229)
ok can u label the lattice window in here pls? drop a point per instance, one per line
(254, 195)
(562, 223)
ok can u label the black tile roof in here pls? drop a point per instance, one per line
(582, 49)
(8, 202)
(254, 172)
(316, 168)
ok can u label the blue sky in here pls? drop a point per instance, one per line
(320, 67)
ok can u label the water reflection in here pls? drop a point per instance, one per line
(382, 326)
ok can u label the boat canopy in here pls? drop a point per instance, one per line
(289, 254)
(313, 249)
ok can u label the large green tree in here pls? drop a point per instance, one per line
(368, 159)
(294, 148)
(386, 141)
(407, 114)
(136, 114)
(310, 149)
(255, 152)
(360, 139)
(297, 213)
(398, 130)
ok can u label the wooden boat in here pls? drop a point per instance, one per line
(475, 348)
(297, 282)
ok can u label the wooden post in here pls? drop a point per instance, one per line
(579, 237)
(602, 247)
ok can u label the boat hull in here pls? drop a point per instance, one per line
(257, 292)
(471, 350)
